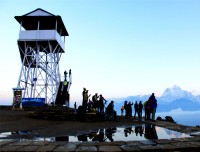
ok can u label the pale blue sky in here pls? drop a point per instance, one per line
(116, 48)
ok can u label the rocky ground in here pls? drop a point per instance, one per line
(16, 120)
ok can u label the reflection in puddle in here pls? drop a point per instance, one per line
(128, 133)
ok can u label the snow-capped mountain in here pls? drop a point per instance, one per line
(174, 93)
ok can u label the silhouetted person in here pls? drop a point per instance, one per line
(129, 108)
(153, 105)
(126, 109)
(147, 108)
(136, 108)
(89, 105)
(65, 75)
(75, 106)
(101, 103)
(85, 98)
(140, 107)
(122, 110)
(95, 103)
(110, 110)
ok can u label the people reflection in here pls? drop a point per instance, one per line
(139, 130)
(82, 137)
(99, 137)
(136, 130)
(150, 132)
(127, 131)
(109, 133)
(62, 138)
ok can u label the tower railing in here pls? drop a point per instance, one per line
(42, 35)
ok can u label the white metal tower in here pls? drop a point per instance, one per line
(41, 43)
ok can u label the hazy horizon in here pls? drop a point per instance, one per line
(115, 48)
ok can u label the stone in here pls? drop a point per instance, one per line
(133, 143)
(46, 148)
(2, 143)
(130, 148)
(147, 142)
(57, 143)
(186, 145)
(149, 147)
(166, 146)
(39, 143)
(67, 147)
(10, 148)
(109, 148)
(28, 148)
(162, 141)
(21, 143)
(86, 148)
(93, 143)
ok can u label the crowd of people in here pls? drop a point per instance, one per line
(148, 106)
(98, 104)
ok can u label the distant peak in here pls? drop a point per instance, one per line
(176, 87)
(175, 92)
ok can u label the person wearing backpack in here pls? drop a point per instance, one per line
(152, 105)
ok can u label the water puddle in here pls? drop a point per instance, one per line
(127, 133)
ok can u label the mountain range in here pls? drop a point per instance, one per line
(172, 98)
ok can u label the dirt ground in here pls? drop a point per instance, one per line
(18, 120)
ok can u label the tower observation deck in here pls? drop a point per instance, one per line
(41, 43)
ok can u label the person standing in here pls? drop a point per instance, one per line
(129, 107)
(84, 102)
(101, 103)
(110, 110)
(153, 105)
(126, 109)
(136, 108)
(122, 110)
(140, 107)
(75, 106)
(95, 101)
(146, 110)
(85, 99)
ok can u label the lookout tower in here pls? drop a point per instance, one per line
(41, 43)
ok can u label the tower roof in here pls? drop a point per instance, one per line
(47, 21)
